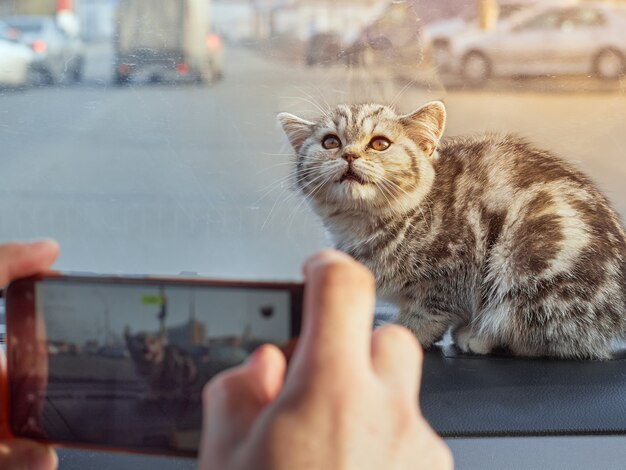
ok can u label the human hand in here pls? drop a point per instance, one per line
(20, 260)
(348, 401)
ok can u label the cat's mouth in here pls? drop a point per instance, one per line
(350, 175)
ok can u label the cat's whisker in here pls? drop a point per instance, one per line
(317, 107)
(276, 165)
(298, 173)
(269, 215)
(268, 154)
(279, 200)
(309, 95)
(382, 190)
(311, 168)
(289, 180)
(326, 103)
(278, 182)
(395, 185)
(328, 108)
(281, 181)
(282, 164)
(307, 184)
(270, 191)
(404, 207)
(308, 197)
(294, 189)
(399, 94)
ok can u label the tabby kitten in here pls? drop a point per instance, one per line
(505, 243)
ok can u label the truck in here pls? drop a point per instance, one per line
(165, 41)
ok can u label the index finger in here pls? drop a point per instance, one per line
(338, 313)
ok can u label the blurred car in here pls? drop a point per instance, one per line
(181, 49)
(437, 35)
(588, 39)
(15, 60)
(394, 35)
(323, 48)
(59, 57)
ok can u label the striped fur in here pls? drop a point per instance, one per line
(503, 242)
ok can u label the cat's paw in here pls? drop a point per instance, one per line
(468, 342)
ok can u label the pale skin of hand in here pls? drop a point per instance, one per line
(348, 401)
(20, 260)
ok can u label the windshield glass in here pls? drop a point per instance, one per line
(144, 138)
(147, 142)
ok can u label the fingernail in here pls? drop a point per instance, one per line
(46, 243)
(255, 357)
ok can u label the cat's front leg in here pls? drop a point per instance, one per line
(468, 341)
(428, 327)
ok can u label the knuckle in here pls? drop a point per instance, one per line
(406, 421)
(329, 391)
(11, 248)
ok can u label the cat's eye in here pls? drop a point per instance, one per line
(380, 144)
(331, 142)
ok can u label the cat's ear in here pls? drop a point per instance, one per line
(425, 125)
(297, 129)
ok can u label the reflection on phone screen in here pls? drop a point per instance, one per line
(127, 363)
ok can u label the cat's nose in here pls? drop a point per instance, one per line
(349, 157)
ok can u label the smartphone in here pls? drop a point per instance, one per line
(119, 363)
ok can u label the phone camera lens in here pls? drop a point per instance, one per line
(267, 311)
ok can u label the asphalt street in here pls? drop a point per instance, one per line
(168, 179)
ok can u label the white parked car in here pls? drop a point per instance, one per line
(586, 39)
(15, 62)
(59, 55)
(438, 35)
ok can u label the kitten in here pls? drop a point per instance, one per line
(167, 369)
(505, 243)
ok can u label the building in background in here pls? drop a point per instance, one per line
(27, 7)
(233, 20)
(243, 20)
(260, 20)
(307, 18)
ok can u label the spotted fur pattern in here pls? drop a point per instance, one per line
(504, 242)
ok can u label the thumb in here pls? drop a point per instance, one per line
(21, 454)
(23, 259)
(234, 399)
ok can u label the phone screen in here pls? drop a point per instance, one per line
(127, 363)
